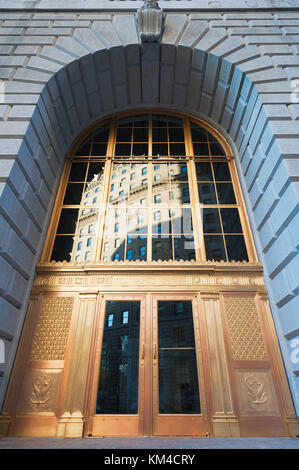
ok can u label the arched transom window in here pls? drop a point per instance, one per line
(149, 186)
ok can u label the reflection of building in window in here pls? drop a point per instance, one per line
(130, 227)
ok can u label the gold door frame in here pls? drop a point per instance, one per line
(147, 421)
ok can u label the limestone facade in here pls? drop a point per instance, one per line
(62, 71)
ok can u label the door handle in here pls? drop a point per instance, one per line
(155, 351)
(142, 351)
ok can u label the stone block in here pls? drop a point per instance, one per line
(277, 111)
(9, 319)
(243, 55)
(288, 318)
(211, 39)
(56, 55)
(39, 64)
(27, 50)
(31, 236)
(281, 289)
(255, 166)
(126, 28)
(30, 201)
(183, 65)
(280, 254)
(173, 26)
(277, 49)
(292, 271)
(21, 112)
(286, 209)
(88, 39)
(49, 31)
(4, 111)
(71, 47)
(267, 235)
(255, 194)
(228, 46)
(18, 255)
(80, 103)
(27, 40)
(294, 111)
(27, 163)
(105, 31)
(13, 129)
(193, 32)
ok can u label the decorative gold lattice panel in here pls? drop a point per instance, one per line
(244, 329)
(52, 329)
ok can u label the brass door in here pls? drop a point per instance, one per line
(146, 375)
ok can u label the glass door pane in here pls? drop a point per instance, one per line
(178, 378)
(119, 368)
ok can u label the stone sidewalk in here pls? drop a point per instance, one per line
(149, 443)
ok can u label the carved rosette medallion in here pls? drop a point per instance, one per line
(41, 390)
(255, 390)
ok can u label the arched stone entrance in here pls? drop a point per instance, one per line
(168, 76)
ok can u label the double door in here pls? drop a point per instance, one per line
(146, 374)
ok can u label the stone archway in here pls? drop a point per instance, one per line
(88, 81)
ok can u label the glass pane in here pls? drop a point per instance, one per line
(236, 248)
(114, 249)
(119, 369)
(78, 172)
(140, 134)
(215, 247)
(84, 148)
(211, 221)
(174, 121)
(231, 220)
(123, 149)
(159, 120)
(160, 149)
(140, 149)
(95, 171)
(176, 134)
(99, 150)
(201, 149)
(101, 134)
(177, 149)
(203, 171)
(162, 248)
(141, 120)
(216, 149)
(226, 193)
(159, 134)
(198, 134)
(73, 193)
(221, 171)
(206, 193)
(124, 134)
(184, 247)
(68, 221)
(179, 171)
(178, 378)
(62, 248)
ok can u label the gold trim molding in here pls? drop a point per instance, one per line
(187, 275)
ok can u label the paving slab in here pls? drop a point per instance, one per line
(149, 443)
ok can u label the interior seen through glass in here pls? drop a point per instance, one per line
(178, 377)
